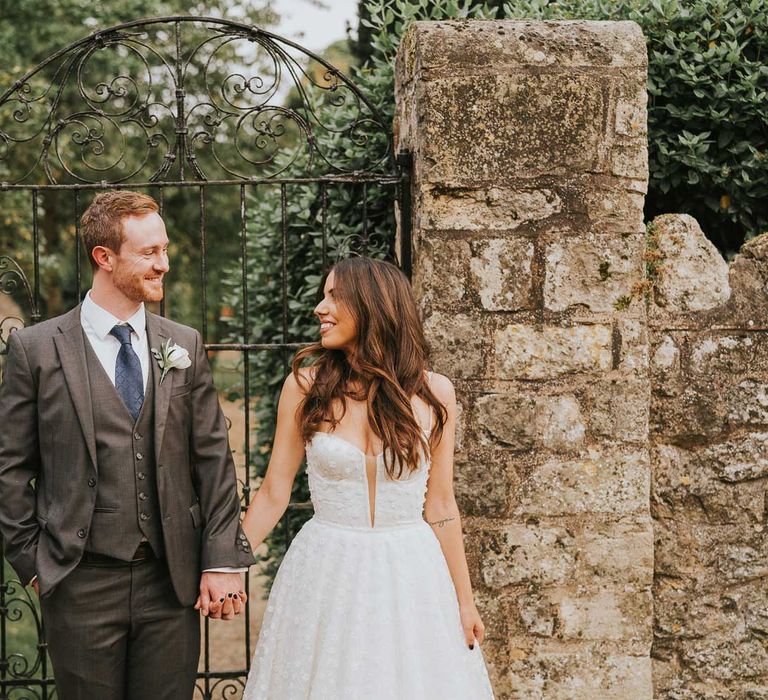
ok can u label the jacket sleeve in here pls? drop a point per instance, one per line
(19, 461)
(223, 542)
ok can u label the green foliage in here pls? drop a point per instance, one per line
(707, 122)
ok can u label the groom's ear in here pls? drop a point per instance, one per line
(104, 257)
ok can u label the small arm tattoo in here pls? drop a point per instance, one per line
(442, 522)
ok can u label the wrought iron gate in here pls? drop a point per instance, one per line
(232, 128)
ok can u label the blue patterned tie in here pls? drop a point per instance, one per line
(129, 380)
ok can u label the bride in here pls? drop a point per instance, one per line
(373, 598)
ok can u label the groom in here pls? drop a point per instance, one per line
(119, 500)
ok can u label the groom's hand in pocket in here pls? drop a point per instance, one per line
(221, 596)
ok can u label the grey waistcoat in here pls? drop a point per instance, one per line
(127, 507)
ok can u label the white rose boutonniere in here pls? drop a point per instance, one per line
(171, 356)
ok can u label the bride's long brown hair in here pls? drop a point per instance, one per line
(386, 368)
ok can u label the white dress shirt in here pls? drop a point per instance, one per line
(97, 324)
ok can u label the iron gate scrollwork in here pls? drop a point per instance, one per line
(184, 108)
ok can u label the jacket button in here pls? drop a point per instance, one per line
(143, 496)
(137, 436)
(81, 533)
(144, 516)
(92, 482)
(141, 476)
(139, 456)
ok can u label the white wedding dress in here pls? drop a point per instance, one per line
(359, 612)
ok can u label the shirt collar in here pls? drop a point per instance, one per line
(102, 322)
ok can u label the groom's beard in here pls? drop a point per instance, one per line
(138, 288)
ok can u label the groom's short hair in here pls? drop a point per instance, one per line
(102, 222)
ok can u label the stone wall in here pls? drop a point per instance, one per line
(708, 330)
(529, 143)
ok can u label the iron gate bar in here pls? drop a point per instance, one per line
(352, 178)
(203, 271)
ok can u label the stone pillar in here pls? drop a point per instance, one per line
(529, 144)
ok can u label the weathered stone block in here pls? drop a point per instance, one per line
(591, 270)
(522, 422)
(458, 342)
(600, 482)
(542, 673)
(608, 614)
(688, 412)
(441, 280)
(729, 353)
(475, 46)
(632, 340)
(748, 403)
(538, 615)
(524, 554)
(741, 459)
(523, 351)
(483, 483)
(665, 357)
(501, 273)
(617, 407)
(558, 127)
(692, 275)
(617, 552)
(617, 205)
(722, 483)
(488, 209)
(631, 111)
(630, 162)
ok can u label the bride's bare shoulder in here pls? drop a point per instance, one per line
(442, 388)
(303, 383)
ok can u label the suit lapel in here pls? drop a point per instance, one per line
(162, 391)
(70, 345)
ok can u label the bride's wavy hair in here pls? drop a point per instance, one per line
(386, 368)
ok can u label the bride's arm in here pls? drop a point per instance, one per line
(274, 494)
(442, 513)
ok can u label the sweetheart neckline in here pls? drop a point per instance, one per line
(352, 445)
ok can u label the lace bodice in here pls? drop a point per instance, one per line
(338, 483)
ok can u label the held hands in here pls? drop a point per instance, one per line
(222, 595)
(471, 624)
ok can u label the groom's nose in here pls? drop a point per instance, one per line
(161, 263)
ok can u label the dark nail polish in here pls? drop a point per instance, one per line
(471, 646)
(221, 600)
(229, 595)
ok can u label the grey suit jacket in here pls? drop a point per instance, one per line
(48, 455)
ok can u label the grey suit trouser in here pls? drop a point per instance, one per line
(119, 633)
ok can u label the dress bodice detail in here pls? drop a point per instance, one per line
(338, 484)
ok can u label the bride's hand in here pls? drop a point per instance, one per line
(472, 625)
